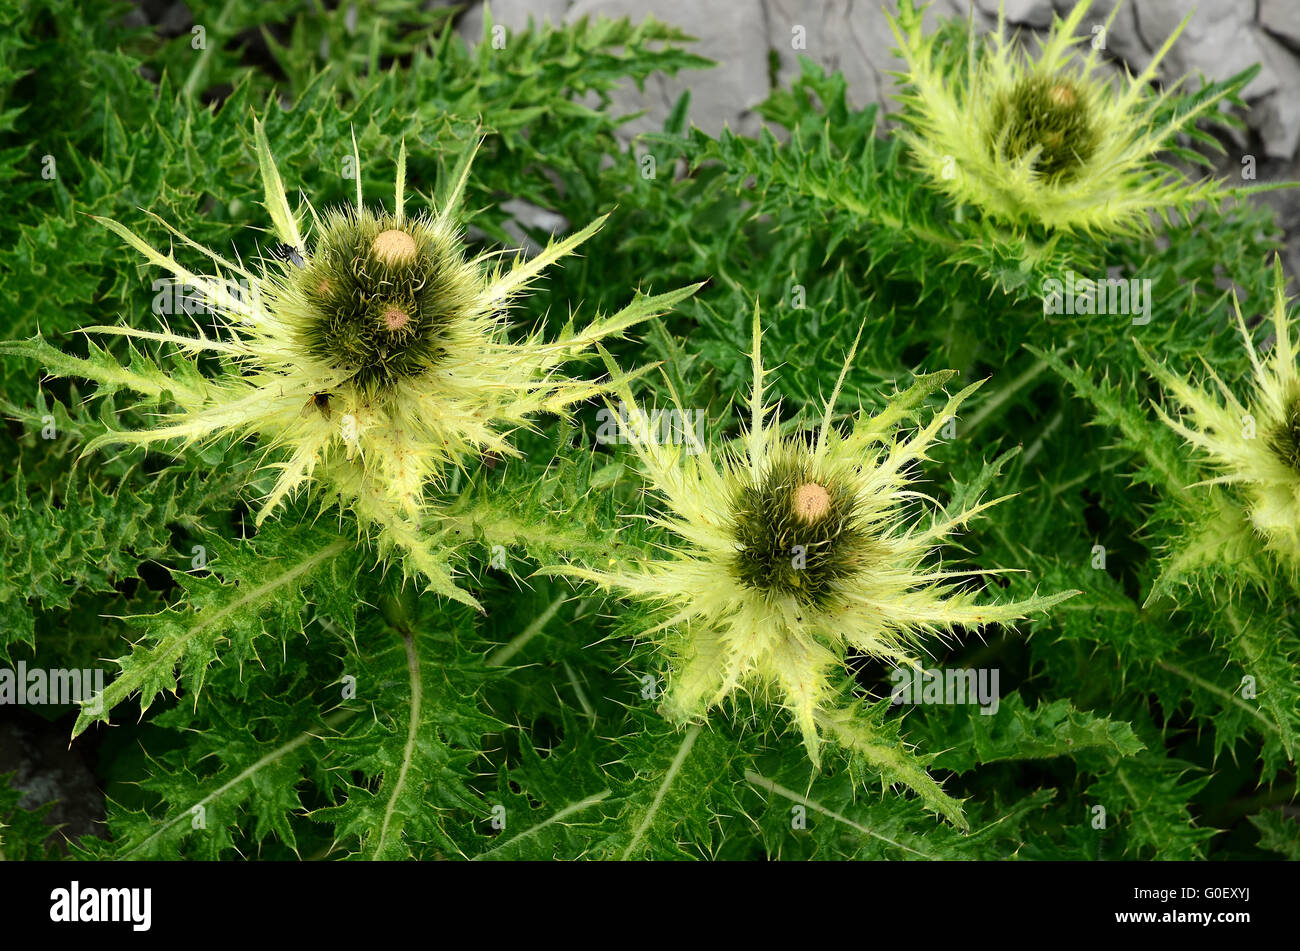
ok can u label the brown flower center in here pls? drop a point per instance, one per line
(1062, 95)
(811, 501)
(395, 318)
(393, 247)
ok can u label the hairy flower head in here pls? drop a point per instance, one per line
(1254, 443)
(367, 353)
(794, 549)
(1049, 140)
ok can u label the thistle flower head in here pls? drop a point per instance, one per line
(795, 548)
(1050, 140)
(367, 353)
(1254, 443)
(380, 300)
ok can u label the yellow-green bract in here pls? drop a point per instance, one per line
(836, 506)
(370, 358)
(1050, 140)
(1253, 443)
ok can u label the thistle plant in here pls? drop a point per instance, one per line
(368, 354)
(1050, 140)
(277, 695)
(1252, 443)
(794, 549)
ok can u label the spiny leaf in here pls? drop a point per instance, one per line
(254, 586)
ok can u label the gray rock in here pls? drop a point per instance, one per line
(1035, 13)
(1277, 117)
(47, 769)
(852, 37)
(1282, 19)
(512, 14)
(177, 20)
(732, 32)
(1122, 41)
(1220, 40)
(527, 214)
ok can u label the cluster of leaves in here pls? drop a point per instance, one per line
(298, 701)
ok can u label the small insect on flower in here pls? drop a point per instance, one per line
(287, 252)
(319, 403)
(1253, 443)
(368, 355)
(795, 549)
(1048, 141)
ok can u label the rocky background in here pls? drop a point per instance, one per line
(754, 44)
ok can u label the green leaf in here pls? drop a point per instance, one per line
(254, 588)
(1015, 732)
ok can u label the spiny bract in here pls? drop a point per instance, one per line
(1049, 141)
(371, 356)
(798, 548)
(1255, 444)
